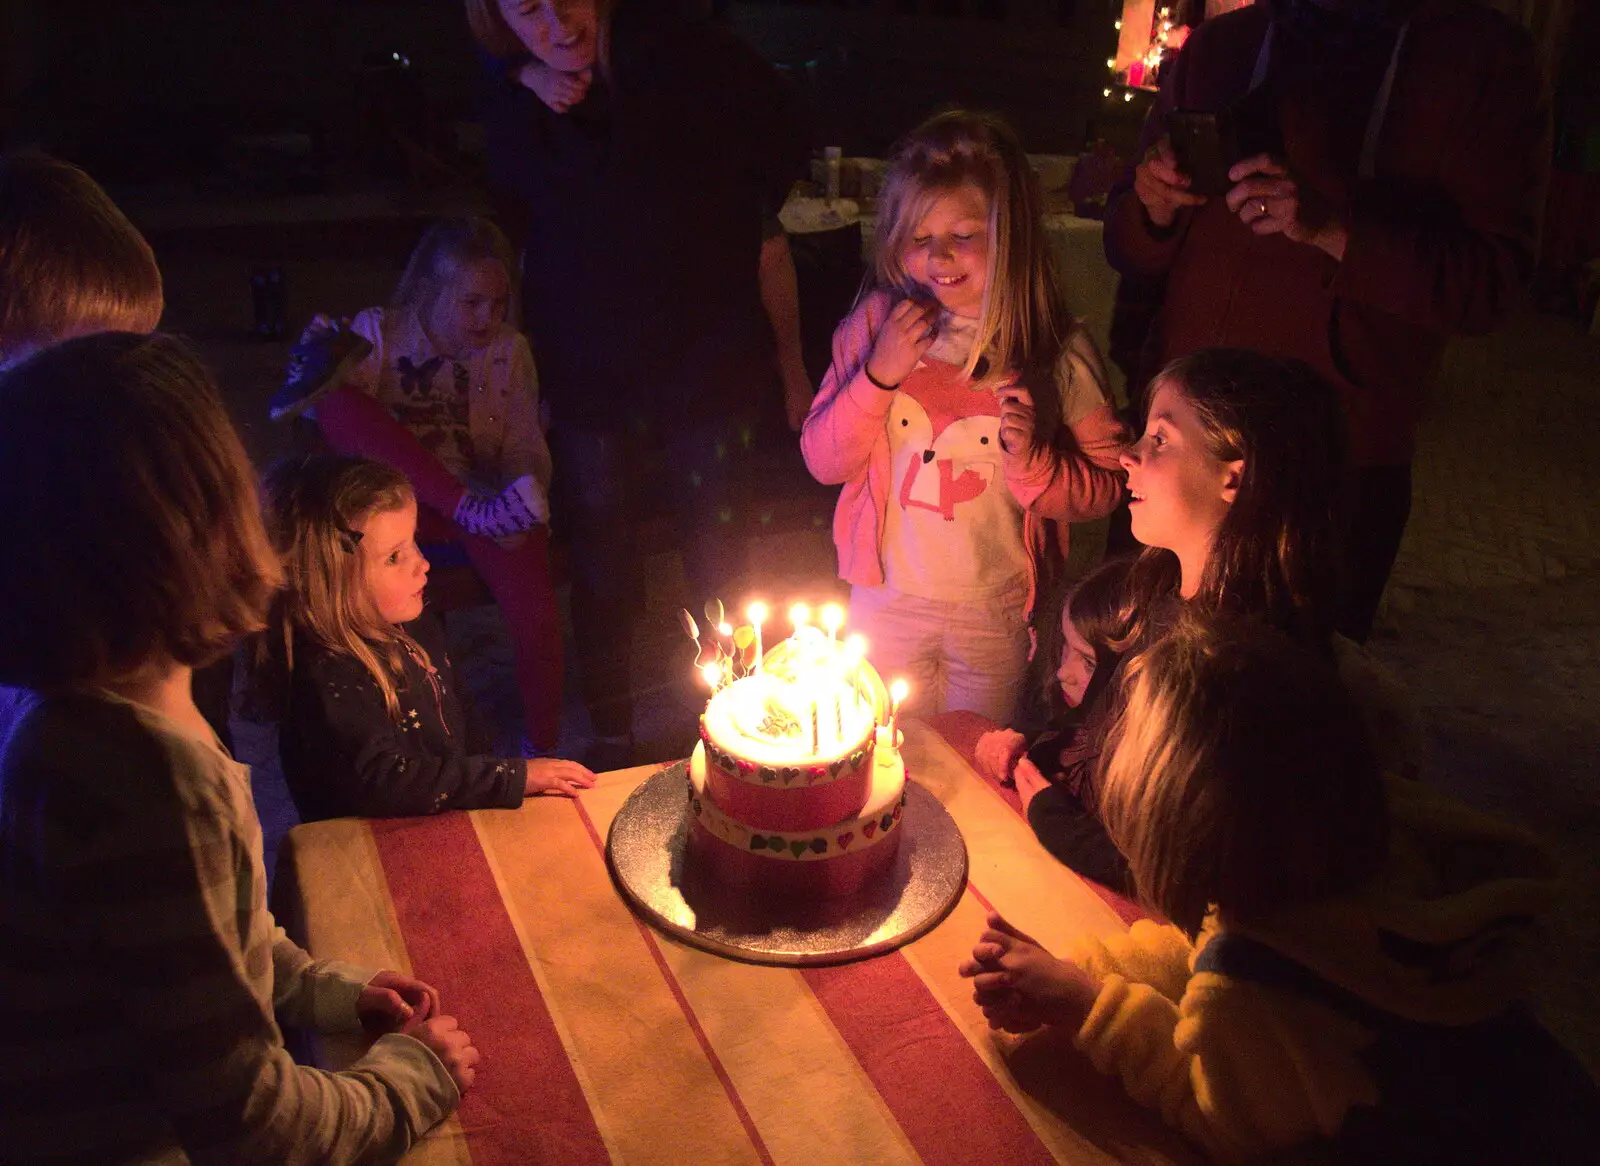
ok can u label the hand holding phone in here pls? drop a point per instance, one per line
(1201, 146)
(1162, 186)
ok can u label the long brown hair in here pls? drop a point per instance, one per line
(1094, 604)
(1024, 327)
(1240, 774)
(131, 528)
(1275, 555)
(315, 507)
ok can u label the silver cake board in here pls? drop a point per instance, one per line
(647, 850)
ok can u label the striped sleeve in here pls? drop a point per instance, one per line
(145, 855)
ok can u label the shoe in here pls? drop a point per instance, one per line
(318, 363)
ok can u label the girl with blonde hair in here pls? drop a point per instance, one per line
(965, 412)
(374, 723)
(448, 393)
(1348, 951)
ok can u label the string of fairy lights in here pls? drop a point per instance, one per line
(1143, 72)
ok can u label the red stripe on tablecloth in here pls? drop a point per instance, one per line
(526, 1105)
(941, 1094)
(688, 1010)
(978, 895)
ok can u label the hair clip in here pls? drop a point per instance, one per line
(351, 540)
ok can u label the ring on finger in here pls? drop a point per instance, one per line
(1261, 208)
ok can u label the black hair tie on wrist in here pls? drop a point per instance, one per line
(877, 382)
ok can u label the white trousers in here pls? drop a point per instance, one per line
(971, 655)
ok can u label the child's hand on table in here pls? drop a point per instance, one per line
(453, 1047)
(551, 775)
(997, 752)
(1025, 775)
(1020, 986)
(391, 1001)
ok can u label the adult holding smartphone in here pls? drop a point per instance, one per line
(1397, 206)
(646, 150)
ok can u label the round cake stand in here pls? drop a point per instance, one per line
(647, 851)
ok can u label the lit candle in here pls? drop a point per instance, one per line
(856, 646)
(758, 616)
(897, 693)
(832, 617)
(799, 615)
(713, 676)
(816, 729)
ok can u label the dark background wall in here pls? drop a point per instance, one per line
(178, 88)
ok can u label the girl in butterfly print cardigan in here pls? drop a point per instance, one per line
(477, 414)
(466, 417)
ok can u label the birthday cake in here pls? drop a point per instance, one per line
(796, 788)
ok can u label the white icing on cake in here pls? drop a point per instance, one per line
(805, 690)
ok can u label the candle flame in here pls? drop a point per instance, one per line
(856, 646)
(725, 629)
(799, 615)
(898, 690)
(712, 674)
(832, 617)
(757, 613)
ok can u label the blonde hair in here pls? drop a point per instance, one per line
(1240, 774)
(489, 29)
(315, 508)
(131, 527)
(70, 261)
(445, 248)
(1023, 326)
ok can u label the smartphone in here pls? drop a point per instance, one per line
(1199, 142)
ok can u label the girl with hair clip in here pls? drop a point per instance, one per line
(1235, 488)
(1348, 951)
(144, 976)
(373, 720)
(964, 410)
(447, 392)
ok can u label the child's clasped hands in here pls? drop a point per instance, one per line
(1022, 987)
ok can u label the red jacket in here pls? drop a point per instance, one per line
(1442, 237)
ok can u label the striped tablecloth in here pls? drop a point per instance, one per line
(604, 1041)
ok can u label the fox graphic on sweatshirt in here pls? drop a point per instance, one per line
(949, 448)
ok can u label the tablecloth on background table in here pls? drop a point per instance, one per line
(604, 1041)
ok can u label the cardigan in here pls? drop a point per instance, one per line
(344, 755)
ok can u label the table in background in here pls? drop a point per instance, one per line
(604, 1041)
